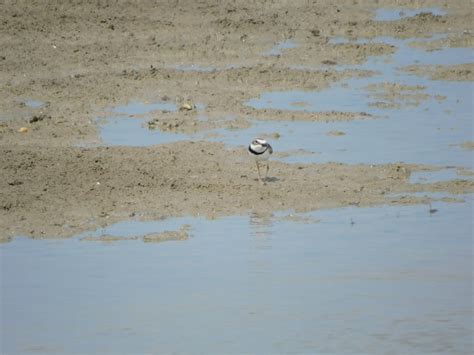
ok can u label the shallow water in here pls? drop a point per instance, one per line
(435, 176)
(428, 196)
(429, 132)
(278, 48)
(134, 132)
(34, 103)
(140, 108)
(360, 279)
(193, 67)
(357, 281)
(397, 14)
(123, 128)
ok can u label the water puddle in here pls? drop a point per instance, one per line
(398, 14)
(436, 197)
(279, 285)
(34, 103)
(278, 49)
(370, 142)
(421, 120)
(424, 177)
(388, 65)
(195, 67)
(127, 125)
(134, 133)
(141, 108)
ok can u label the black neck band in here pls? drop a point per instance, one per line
(256, 153)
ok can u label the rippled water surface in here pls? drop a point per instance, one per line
(338, 281)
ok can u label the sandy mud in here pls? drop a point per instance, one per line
(50, 191)
(463, 72)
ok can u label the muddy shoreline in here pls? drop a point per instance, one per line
(78, 61)
(52, 192)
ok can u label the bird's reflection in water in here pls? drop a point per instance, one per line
(260, 224)
(260, 245)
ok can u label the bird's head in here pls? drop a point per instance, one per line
(259, 141)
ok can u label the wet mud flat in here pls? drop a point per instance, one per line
(49, 192)
(78, 60)
(123, 133)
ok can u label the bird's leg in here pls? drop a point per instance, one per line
(268, 168)
(258, 169)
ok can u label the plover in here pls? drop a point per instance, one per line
(260, 150)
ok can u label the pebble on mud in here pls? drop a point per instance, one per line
(186, 107)
(23, 130)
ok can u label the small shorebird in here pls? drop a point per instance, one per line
(260, 150)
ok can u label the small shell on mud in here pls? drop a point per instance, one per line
(186, 107)
(23, 130)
